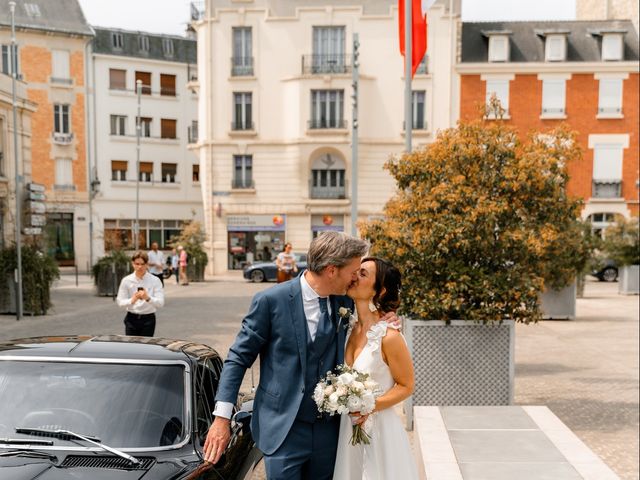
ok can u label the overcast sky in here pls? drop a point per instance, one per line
(171, 16)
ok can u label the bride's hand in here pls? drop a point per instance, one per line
(357, 418)
(393, 320)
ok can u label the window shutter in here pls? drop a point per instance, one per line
(553, 92)
(607, 162)
(612, 46)
(146, 167)
(117, 79)
(118, 165)
(167, 128)
(610, 100)
(555, 48)
(501, 89)
(64, 171)
(145, 77)
(498, 48)
(167, 85)
(60, 64)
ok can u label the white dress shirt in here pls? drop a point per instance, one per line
(128, 288)
(311, 306)
(155, 257)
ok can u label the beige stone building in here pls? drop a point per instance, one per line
(608, 10)
(275, 116)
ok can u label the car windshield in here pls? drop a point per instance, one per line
(124, 405)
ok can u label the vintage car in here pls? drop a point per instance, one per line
(267, 271)
(114, 407)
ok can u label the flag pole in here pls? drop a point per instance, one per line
(408, 56)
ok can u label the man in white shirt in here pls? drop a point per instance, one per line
(141, 294)
(156, 262)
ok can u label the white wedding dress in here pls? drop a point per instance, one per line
(388, 456)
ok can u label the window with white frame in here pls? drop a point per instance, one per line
(555, 48)
(2, 160)
(7, 65)
(612, 46)
(242, 59)
(61, 118)
(499, 88)
(60, 70)
(119, 170)
(327, 109)
(328, 177)
(553, 96)
(118, 125)
(117, 40)
(607, 170)
(499, 48)
(242, 171)
(143, 43)
(167, 47)
(328, 50)
(64, 173)
(418, 109)
(610, 96)
(242, 111)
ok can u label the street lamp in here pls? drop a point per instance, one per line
(18, 222)
(136, 226)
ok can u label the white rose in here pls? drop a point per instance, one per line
(328, 390)
(341, 390)
(354, 403)
(345, 379)
(368, 402)
(342, 410)
(370, 385)
(343, 311)
(334, 398)
(318, 394)
(357, 386)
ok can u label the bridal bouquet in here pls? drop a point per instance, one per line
(347, 391)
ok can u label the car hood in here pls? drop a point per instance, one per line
(18, 468)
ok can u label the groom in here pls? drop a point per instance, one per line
(295, 329)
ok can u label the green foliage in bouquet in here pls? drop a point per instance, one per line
(481, 222)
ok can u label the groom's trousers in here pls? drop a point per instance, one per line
(307, 453)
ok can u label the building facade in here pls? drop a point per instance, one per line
(583, 74)
(275, 114)
(608, 10)
(52, 44)
(167, 185)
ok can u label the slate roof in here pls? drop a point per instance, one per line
(526, 39)
(184, 48)
(60, 16)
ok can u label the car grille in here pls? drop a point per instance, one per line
(115, 463)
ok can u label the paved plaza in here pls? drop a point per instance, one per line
(585, 370)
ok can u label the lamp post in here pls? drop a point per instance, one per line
(18, 222)
(136, 226)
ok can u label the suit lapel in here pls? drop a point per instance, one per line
(299, 321)
(340, 331)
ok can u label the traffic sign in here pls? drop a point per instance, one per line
(40, 197)
(38, 220)
(36, 207)
(32, 231)
(35, 187)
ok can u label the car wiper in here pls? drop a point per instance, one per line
(68, 433)
(24, 441)
(29, 454)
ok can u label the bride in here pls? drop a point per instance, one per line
(375, 347)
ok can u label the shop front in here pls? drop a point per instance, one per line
(324, 223)
(253, 238)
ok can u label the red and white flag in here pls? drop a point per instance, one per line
(418, 30)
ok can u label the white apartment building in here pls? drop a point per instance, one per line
(275, 113)
(169, 177)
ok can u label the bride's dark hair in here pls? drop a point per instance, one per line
(387, 285)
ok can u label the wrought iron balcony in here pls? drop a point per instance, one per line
(192, 72)
(327, 193)
(607, 189)
(62, 138)
(62, 81)
(326, 64)
(422, 66)
(326, 123)
(239, 183)
(417, 125)
(241, 66)
(192, 133)
(241, 126)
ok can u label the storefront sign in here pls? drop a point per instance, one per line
(256, 223)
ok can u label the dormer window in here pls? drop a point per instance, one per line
(143, 44)
(498, 48)
(555, 48)
(167, 47)
(117, 40)
(612, 46)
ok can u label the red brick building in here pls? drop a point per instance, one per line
(583, 73)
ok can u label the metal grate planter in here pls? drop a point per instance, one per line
(195, 271)
(463, 363)
(629, 281)
(559, 304)
(107, 281)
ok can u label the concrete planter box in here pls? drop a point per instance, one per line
(8, 299)
(463, 363)
(629, 280)
(559, 304)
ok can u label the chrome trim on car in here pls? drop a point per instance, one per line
(187, 394)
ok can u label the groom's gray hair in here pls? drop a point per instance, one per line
(334, 248)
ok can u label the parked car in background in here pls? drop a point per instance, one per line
(114, 407)
(267, 271)
(606, 271)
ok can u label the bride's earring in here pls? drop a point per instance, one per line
(372, 307)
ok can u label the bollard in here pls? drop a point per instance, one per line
(113, 279)
(76, 267)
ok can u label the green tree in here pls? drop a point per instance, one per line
(481, 222)
(621, 243)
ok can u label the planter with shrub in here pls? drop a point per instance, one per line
(192, 238)
(621, 244)
(109, 271)
(479, 224)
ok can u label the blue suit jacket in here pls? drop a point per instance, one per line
(276, 329)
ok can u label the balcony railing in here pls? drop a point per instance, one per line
(326, 64)
(241, 66)
(238, 183)
(422, 66)
(62, 138)
(417, 125)
(61, 81)
(327, 193)
(192, 133)
(323, 123)
(240, 126)
(607, 189)
(192, 73)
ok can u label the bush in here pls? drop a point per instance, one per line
(481, 223)
(102, 272)
(192, 238)
(621, 242)
(38, 273)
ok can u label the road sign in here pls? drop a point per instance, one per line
(38, 220)
(35, 187)
(32, 231)
(36, 207)
(40, 197)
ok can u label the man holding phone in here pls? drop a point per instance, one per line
(141, 294)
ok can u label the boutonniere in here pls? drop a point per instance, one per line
(346, 317)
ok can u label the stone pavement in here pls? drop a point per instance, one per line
(585, 370)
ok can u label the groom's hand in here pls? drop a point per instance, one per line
(217, 439)
(393, 319)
